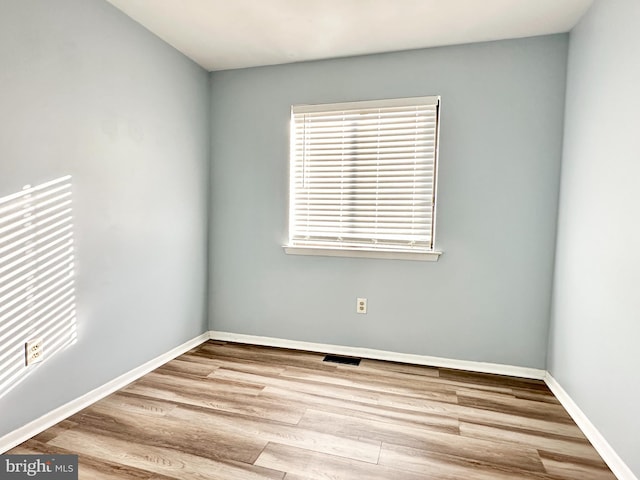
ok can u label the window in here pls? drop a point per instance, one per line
(363, 178)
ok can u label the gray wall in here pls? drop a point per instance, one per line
(487, 299)
(595, 318)
(86, 91)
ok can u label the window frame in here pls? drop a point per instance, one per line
(390, 249)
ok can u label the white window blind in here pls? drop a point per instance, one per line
(37, 297)
(363, 175)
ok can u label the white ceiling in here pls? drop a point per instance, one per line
(225, 34)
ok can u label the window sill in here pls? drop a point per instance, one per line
(353, 253)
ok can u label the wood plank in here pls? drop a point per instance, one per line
(89, 468)
(489, 452)
(357, 392)
(476, 378)
(553, 443)
(444, 467)
(164, 461)
(538, 396)
(247, 366)
(198, 386)
(319, 466)
(260, 407)
(365, 450)
(179, 365)
(169, 432)
(595, 462)
(515, 406)
(134, 404)
(337, 391)
(54, 431)
(438, 422)
(511, 421)
(355, 378)
(266, 355)
(575, 468)
(477, 415)
(396, 368)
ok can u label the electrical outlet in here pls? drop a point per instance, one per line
(33, 351)
(361, 305)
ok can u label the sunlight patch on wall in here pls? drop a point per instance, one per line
(37, 294)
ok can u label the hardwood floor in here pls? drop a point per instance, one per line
(229, 411)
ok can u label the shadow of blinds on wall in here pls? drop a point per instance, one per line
(37, 299)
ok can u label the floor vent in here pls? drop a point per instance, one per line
(342, 360)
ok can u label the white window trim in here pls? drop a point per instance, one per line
(392, 252)
(431, 256)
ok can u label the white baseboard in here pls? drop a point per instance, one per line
(606, 451)
(481, 367)
(37, 426)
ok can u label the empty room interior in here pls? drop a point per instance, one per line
(338, 239)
